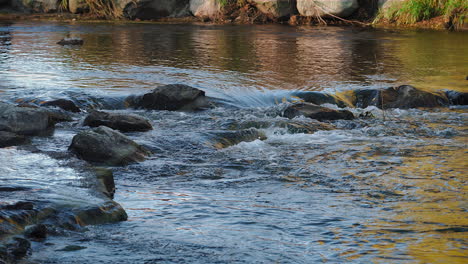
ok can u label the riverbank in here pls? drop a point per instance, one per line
(447, 15)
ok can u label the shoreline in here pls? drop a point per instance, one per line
(436, 24)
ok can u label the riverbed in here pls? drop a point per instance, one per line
(386, 189)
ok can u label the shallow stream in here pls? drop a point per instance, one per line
(388, 189)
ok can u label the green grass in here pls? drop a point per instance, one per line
(412, 11)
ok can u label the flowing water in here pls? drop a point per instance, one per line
(389, 189)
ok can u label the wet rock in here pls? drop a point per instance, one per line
(316, 112)
(38, 231)
(457, 98)
(404, 97)
(106, 183)
(341, 8)
(319, 98)
(223, 139)
(107, 146)
(292, 126)
(23, 121)
(122, 122)
(108, 212)
(170, 97)
(19, 206)
(154, 9)
(275, 8)
(71, 41)
(8, 139)
(57, 116)
(64, 104)
(205, 9)
(19, 247)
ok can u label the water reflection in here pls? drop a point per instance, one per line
(140, 56)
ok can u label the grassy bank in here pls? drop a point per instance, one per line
(454, 13)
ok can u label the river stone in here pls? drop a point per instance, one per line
(224, 139)
(106, 183)
(35, 6)
(107, 146)
(122, 122)
(205, 8)
(457, 98)
(170, 97)
(153, 9)
(24, 120)
(316, 112)
(319, 98)
(404, 97)
(313, 8)
(275, 8)
(78, 6)
(19, 247)
(8, 139)
(108, 212)
(64, 104)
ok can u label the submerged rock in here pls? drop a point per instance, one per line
(71, 41)
(38, 231)
(170, 97)
(107, 146)
(293, 126)
(319, 98)
(8, 139)
(122, 122)
(223, 139)
(108, 212)
(341, 8)
(404, 97)
(64, 104)
(24, 120)
(316, 112)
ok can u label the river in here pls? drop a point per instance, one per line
(389, 189)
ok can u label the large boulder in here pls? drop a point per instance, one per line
(106, 146)
(35, 6)
(275, 8)
(404, 97)
(313, 8)
(153, 9)
(24, 120)
(206, 8)
(316, 112)
(122, 122)
(170, 97)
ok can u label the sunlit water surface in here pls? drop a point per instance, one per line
(390, 189)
